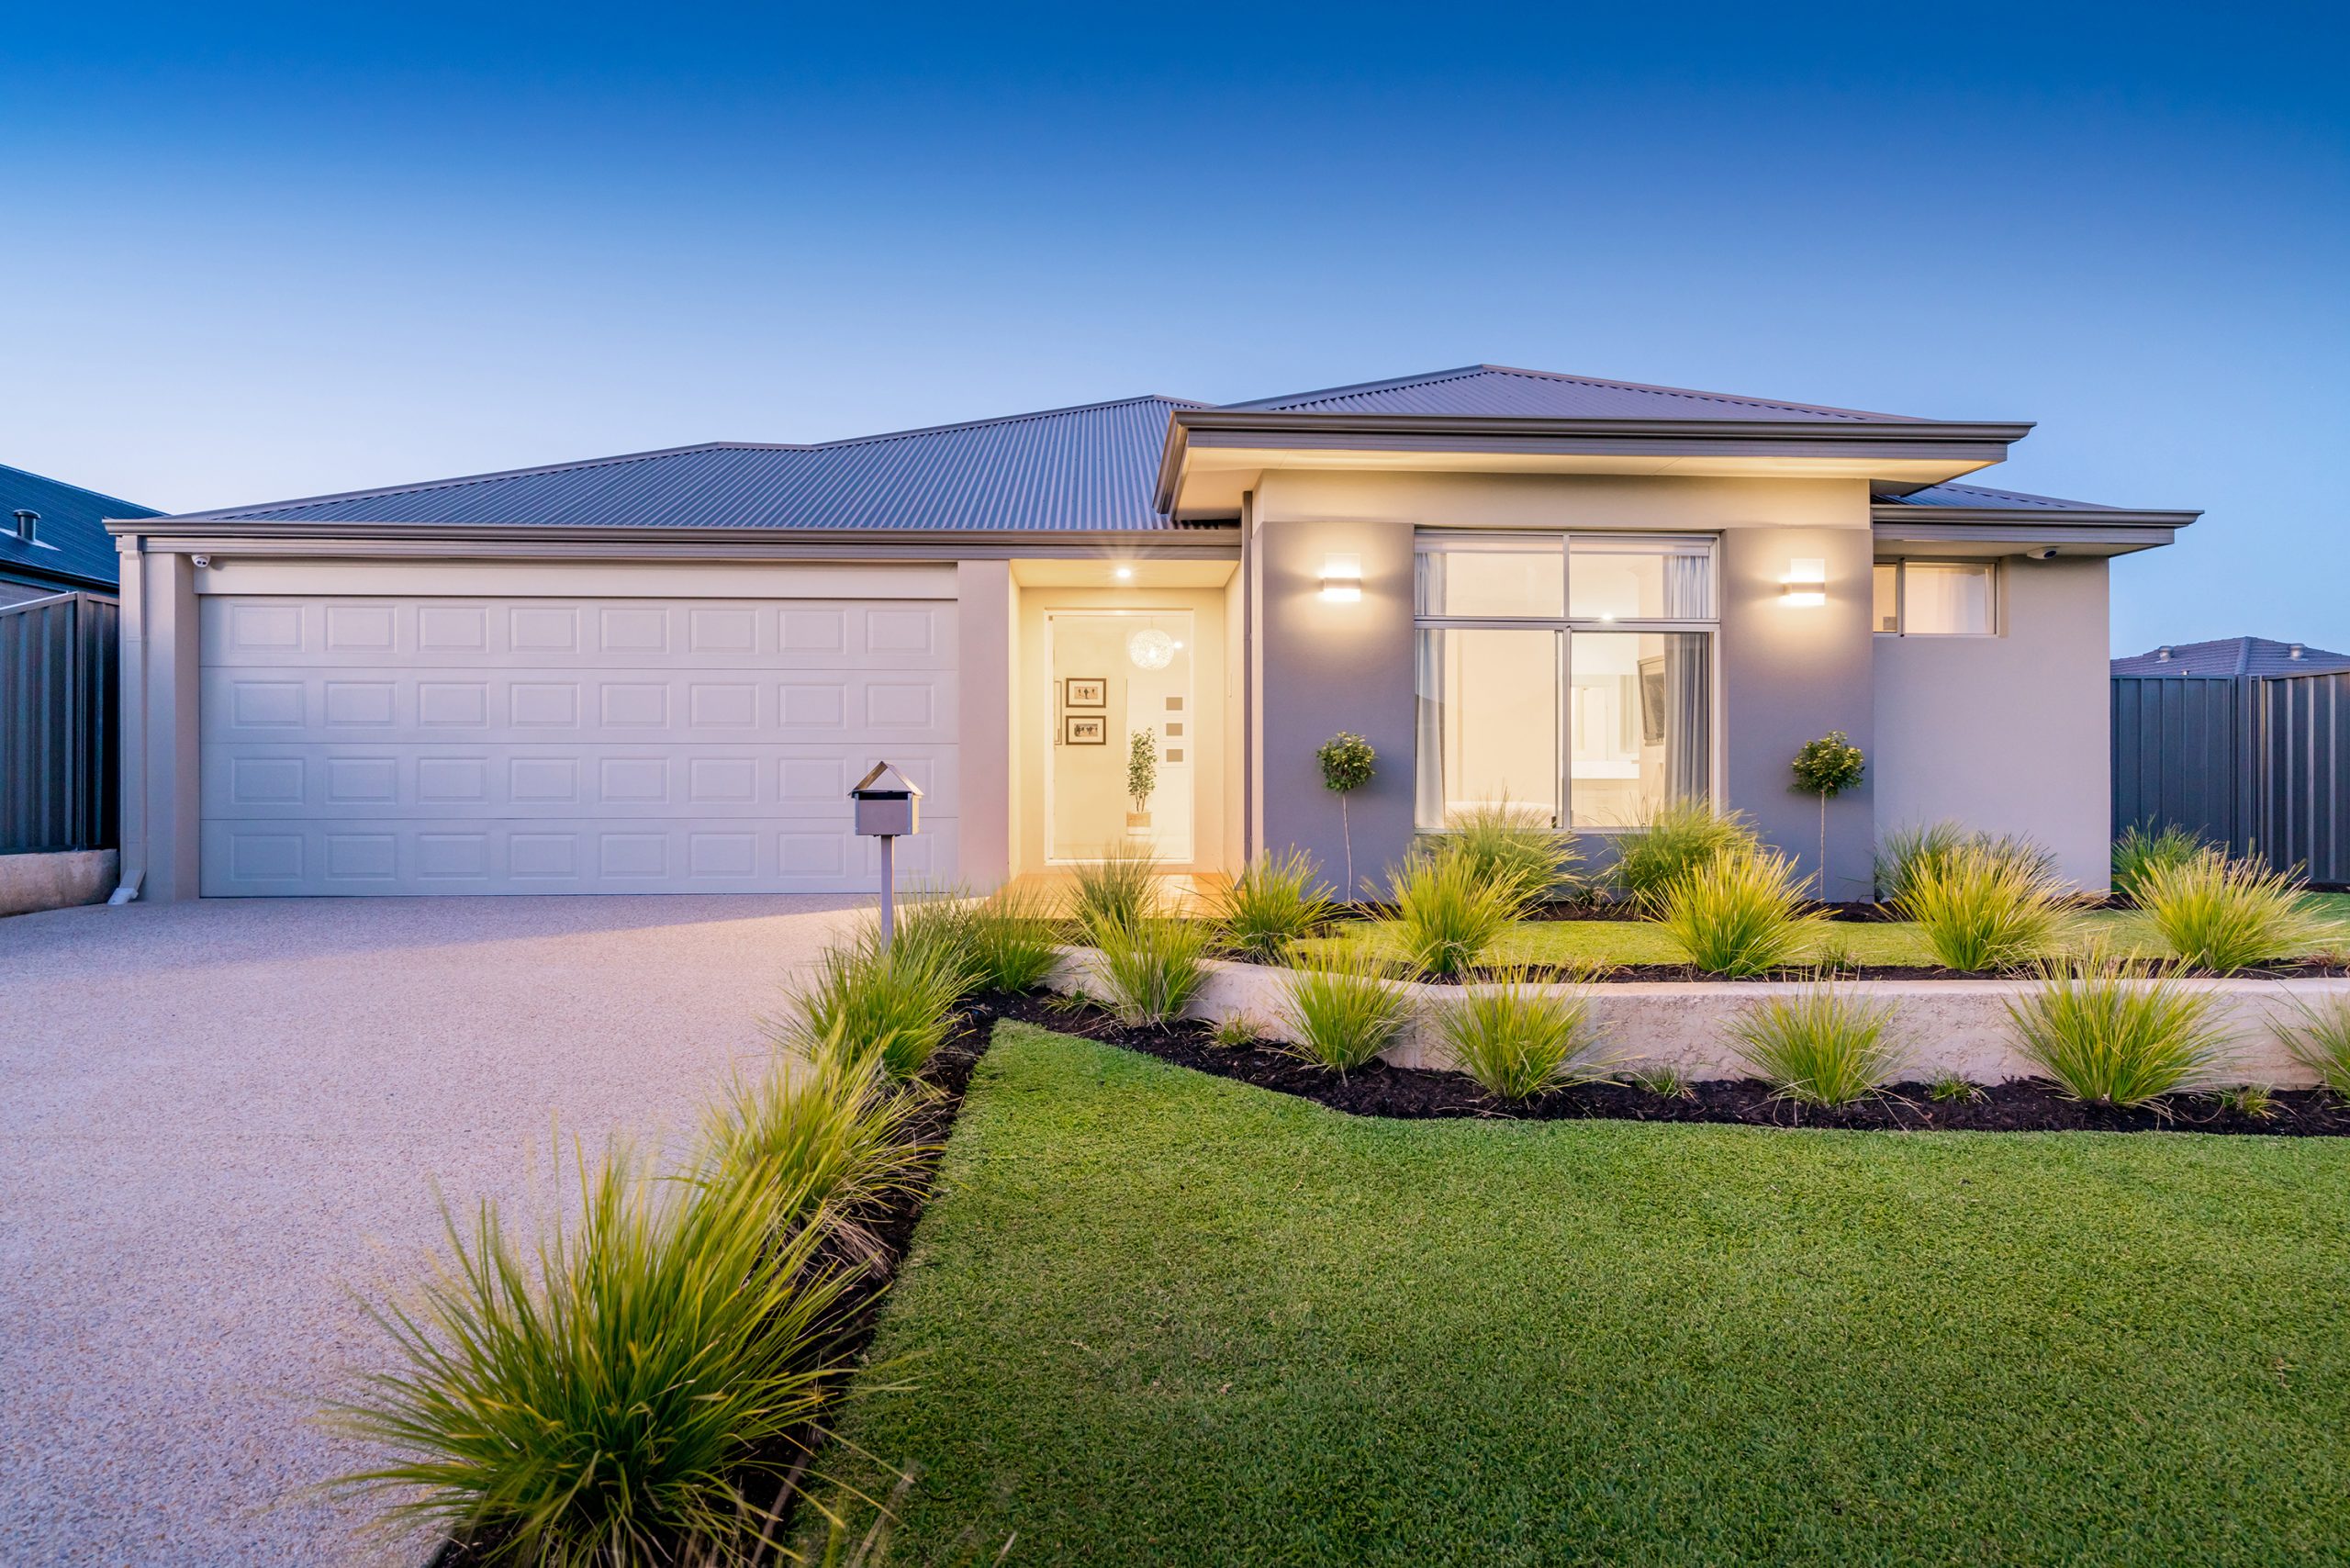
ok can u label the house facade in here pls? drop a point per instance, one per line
(1125, 625)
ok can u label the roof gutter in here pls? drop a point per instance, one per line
(250, 537)
(1188, 428)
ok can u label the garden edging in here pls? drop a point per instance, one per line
(1957, 1027)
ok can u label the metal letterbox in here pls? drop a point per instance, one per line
(888, 805)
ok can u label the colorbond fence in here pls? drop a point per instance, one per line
(59, 784)
(2259, 764)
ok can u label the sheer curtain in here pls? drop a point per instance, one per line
(1688, 676)
(1428, 805)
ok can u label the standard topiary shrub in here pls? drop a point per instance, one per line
(1346, 761)
(1829, 766)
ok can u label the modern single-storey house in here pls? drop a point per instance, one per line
(661, 672)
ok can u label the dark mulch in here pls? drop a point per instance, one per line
(2024, 1105)
(949, 1073)
(1620, 974)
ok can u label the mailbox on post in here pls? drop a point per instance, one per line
(888, 807)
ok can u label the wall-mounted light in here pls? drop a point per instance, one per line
(1805, 582)
(1342, 578)
(1124, 574)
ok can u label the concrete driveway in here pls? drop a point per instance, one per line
(219, 1119)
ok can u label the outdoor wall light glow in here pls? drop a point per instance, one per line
(1342, 578)
(1805, 582)
(1124, 574)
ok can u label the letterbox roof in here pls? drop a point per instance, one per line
(885, 780)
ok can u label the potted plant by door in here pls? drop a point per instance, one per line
(1142, 778)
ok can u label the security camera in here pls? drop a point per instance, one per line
(200, 561)
(2045, 553)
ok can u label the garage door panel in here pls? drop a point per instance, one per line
(260, 781)
(356, 746)
(842, 634)
(556, 854)
(410, 705)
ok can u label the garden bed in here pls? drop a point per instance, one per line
(1410, 1092)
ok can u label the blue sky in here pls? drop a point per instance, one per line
(270, 251)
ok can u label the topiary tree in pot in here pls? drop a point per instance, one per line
(1829, 766)
(1142, 777)
(1346, 762)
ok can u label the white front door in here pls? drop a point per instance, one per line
(1121, 681)
(516, 744)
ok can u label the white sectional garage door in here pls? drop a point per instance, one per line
(362, 744)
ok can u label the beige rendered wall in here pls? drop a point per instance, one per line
(987, 606)
(1787, 674)
(1215, 779)
(2007, 732)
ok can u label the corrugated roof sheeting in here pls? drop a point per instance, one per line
(1067, 469)
(72, 520)
(2233, 656)
(1979, 498)
(1503, 392)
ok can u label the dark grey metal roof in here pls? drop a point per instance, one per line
(1976, 497)
(1083, 468)
(1504, 391)
(1092, 468)
(73, 548)
(2233, 656)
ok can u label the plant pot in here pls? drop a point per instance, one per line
(1138, 824)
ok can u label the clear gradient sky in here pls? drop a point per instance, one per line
(264, 250)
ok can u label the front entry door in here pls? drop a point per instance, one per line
(1119, 776)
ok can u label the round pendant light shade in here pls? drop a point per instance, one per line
(1151, 649)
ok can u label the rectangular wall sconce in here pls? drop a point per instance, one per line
(1342, 578)
(1805, 582)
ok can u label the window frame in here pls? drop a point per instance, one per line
(1901, 564)
(1563, 628)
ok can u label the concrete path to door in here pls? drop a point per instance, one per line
(220, 1120)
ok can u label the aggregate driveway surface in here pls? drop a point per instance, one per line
(217, 1119)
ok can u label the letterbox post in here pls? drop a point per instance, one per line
(887, 804)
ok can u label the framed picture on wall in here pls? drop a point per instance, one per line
(1080, 692)
(1652, 701)
(1085, 729)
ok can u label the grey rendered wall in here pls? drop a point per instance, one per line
(1791, 674)
(2006, 733)
(1328, 667)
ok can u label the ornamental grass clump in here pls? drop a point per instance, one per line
(1906, 854)
(1739, 914)
(1343, 1008)
(1277, 902)
(2223, 914)
(2318, 1037)
(1981, 908)
(894, 1006)
(1516, 847)
(1120, 889)
(1447, 912)
(628, 1395)
(1011, 943)
(1679, 837)
(2142, 848)
(827, 1133)
(1821, 1045)
(1518, 1039)
(1151, 969)
(2119, 1032)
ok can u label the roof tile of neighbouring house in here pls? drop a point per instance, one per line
(1504, 391)
(71, 542)
(2233, 656)
(1089, 468)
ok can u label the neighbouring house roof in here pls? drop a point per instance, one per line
(1090, 468)
(72, 547)
(2233, 656)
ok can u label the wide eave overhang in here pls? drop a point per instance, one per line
(2004, 531)
(1212, 453)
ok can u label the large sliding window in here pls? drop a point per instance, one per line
(1569, 674)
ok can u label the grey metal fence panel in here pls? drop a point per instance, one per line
(2303, 751)
(60, 787)
(2177, 752)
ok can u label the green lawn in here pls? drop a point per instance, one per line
(1643, 942)
(1159, 1317)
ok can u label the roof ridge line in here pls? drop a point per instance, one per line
(1006, 420)
(1664, 391)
